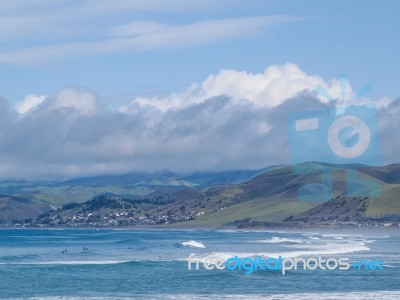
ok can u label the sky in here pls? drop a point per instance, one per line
(99, 87)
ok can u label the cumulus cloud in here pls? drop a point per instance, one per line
(30, 102)
(82, 100)
(270, 88)
(231, 120)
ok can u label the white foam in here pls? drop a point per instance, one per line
(341, 235)
(323, 249)
(276, 240)
(387, 295)
(193, 244)
(372, 295)
(310, 233)
(71, 262)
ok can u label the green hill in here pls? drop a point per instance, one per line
(14, 209)
(273, 196)
(359, 193)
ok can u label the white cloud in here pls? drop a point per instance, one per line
(135, 29)
(107, 7)
(270, 88)
(212, 125)
(47, 22)
(81, 100)
(137, 36)
(30, 102)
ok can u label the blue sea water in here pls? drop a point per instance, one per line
(152, 264)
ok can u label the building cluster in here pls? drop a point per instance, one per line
(112, 219)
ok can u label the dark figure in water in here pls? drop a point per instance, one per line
(84, 248)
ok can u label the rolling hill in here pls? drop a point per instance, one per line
(14, 209)
(359, 193)
(137, 184)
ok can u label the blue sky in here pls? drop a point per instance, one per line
(94, 87)
(322, 37)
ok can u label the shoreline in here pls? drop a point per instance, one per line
(339, 228)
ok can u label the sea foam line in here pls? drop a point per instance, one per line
(326, 250)
(372, 295)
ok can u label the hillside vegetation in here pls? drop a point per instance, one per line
(359, 193)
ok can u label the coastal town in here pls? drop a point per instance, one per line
(112, 219)
(131, 219)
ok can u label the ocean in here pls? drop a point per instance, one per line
(152, 264)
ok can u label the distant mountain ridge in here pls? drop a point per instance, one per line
(237, 197)
(168, 178)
